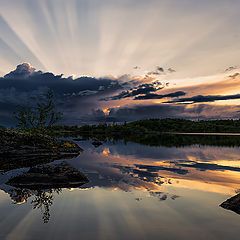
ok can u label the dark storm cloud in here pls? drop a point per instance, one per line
(6, 113)
(201, 98)
(26, 78)
(139, 112)
(158, 96)
(22, 71)
(144, 90)
(24, 86)
(141, 89)
(79, 98)
(144, 112)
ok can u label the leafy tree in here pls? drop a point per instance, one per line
(40, 116)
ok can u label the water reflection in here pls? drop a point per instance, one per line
(127, 166)
(163, 196)
(41, 183)
(41, 199)
(173, 140)
(144, 189)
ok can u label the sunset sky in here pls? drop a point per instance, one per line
(121, 60)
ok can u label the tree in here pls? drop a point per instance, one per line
(40, 116)
(43, 201)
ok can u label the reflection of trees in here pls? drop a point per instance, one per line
(166, 140)
(20, 196)
(43, 201)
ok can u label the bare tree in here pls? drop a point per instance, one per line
(40, 116)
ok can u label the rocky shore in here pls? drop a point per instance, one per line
(25, 149)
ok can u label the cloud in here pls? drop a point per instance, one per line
(140, 89)
(161, 71)
(25, 86)
(145, 176)
(136, 67)
(154, 169)
(229, 69)
(22, 71)
(79, 98)
(234, 75)
(26, 78)
(144, 112)
(143, 90)
(157, 71)
(139, 112)
(171, 70)
(158, 96)
(201, 98)
(208, 166)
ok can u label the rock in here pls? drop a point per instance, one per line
(61, 175)
(13, 141)
(96, 143)
(79, 139)
(232, 204)
(25, 158)
(20, 149)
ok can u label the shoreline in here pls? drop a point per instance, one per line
(210, 134)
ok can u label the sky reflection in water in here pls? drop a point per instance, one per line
(135, 192)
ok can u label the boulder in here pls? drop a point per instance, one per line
(232, 204)
(96, 143)
(46, 176)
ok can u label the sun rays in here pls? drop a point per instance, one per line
(103, 38)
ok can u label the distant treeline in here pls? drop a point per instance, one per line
(161, 125)
(159, 132)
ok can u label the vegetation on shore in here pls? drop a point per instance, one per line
(31, 143)
(16, 139)
(153, 132)
(21, 148)
(168, 125)
(158, 132)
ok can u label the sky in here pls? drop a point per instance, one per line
(123, 59)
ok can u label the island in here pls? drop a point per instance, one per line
(19, 148)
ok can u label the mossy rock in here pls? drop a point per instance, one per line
(23, 149)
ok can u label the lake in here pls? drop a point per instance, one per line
(135, 192)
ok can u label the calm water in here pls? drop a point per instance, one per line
(135, 192)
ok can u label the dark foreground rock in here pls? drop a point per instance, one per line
(79, 139)
(232, 204)
(20, 149)
(96, 143)
(61, 175)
